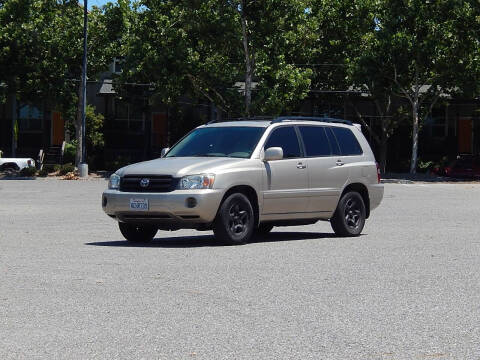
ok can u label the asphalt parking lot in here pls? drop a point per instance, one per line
(71, 288)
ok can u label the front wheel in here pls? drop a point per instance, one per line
(349, 218)
(137, 233)
(234, 223)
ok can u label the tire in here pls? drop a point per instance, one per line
(234, 223)
(137, 233)
(264, 229)
(349, 218)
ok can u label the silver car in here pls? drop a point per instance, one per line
(245, 177)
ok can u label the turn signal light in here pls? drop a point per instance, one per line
(378, 173)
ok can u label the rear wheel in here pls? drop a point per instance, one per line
(349, 218)
(137, 233)
(234, 223)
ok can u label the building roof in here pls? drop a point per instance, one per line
(106, 88)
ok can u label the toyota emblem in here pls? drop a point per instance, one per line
(144, 182)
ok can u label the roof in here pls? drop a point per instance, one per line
(106, 88)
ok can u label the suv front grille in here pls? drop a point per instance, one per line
(156, 183)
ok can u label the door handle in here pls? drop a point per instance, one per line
(301, 166)
(340, 163)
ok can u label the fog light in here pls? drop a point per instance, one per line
(191, 202)
(104, 201)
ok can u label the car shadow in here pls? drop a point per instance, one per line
(210, 241)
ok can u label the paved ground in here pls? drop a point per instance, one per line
(71, 288)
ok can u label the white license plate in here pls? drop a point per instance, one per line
(138, 204)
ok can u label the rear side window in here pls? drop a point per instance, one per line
(347, 141)
(286, 138)
(315, 140)
(333, 141)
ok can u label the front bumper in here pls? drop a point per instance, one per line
(164, 208)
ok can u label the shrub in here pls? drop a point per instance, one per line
(66, 168)
(70, 152)
(28, 172)
(424, 166)
(118, 163)
(42, 173)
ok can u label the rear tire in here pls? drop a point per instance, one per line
(137, 233)
(234, 224)
(349, 218)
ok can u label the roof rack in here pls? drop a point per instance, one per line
(253, 118)
(308, 118)
(285, 118)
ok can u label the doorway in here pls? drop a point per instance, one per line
(465, 135)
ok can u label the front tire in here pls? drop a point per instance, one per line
(234, 224)
(349, 218)
(137, 233)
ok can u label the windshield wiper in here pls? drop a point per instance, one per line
(208, 155)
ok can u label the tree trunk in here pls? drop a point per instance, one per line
(78, 127)
(383, 146)
(13, 101)
(383, 156)
(415, 128)
(248, 61)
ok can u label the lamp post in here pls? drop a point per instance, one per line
(83, 166)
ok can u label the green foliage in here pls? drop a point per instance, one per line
(69, 152)
(420, 50)
(28, 171)
(425, 165)
(118, 163)
(95, 122)
(43, 173)
(66, 168)
(196, 49)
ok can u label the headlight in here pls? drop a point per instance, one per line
(114, 182)
(196, 182)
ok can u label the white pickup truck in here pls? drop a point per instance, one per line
(16, 163)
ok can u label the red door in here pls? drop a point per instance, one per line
(159, 129)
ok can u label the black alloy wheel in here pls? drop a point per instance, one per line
(349, 218)
(352, 213)
(234, 223)
(238, 222)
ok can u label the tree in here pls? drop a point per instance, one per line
(41, 51)
(427, 49)
(367, 72)
(204, 49)
(277, 41)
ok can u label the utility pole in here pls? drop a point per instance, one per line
(83, 166)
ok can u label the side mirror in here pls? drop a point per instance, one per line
(164, 152)
(273, 153)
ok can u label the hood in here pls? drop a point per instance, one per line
(179, 166)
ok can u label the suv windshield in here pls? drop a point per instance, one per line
(231, 141)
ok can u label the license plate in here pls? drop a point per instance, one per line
(139, 204)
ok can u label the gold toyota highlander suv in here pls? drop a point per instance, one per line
(244, 177)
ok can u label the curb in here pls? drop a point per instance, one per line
(396, 181)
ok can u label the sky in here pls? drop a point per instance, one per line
(98, 2)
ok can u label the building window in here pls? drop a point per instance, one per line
(30, 119)
(437, 123)
(118, 64)
(128, 117)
